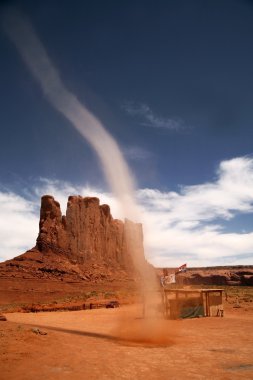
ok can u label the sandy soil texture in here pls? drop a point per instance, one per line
(119, 344)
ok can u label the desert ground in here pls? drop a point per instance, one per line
(120, 344)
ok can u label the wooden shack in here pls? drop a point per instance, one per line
(190, 303)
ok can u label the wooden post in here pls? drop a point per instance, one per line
(206, 304)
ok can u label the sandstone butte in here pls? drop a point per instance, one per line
(86, 244)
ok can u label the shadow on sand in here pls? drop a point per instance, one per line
(123, 340)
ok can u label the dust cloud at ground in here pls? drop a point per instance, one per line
(144, 331)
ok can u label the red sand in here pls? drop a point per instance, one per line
(90, 345)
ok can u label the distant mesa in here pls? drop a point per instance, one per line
(218, 275)
(85, 244)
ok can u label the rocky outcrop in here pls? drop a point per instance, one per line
(87, 232)
(86, 243)
(227, 275)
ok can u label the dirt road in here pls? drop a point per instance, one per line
(110, 344)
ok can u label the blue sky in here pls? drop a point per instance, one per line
(172, 82)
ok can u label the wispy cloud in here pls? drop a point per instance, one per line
(148, 118)
(136, 153)
(178, 226)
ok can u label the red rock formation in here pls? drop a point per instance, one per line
(87, 232)
(87, 243)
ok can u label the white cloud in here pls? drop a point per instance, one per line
(148, 118)
(61, 190)
(18, 225)
(178, 226)
(188, 224)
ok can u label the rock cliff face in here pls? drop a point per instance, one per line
(87, 232)
(87, 243)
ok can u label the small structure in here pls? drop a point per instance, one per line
(189, 303)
